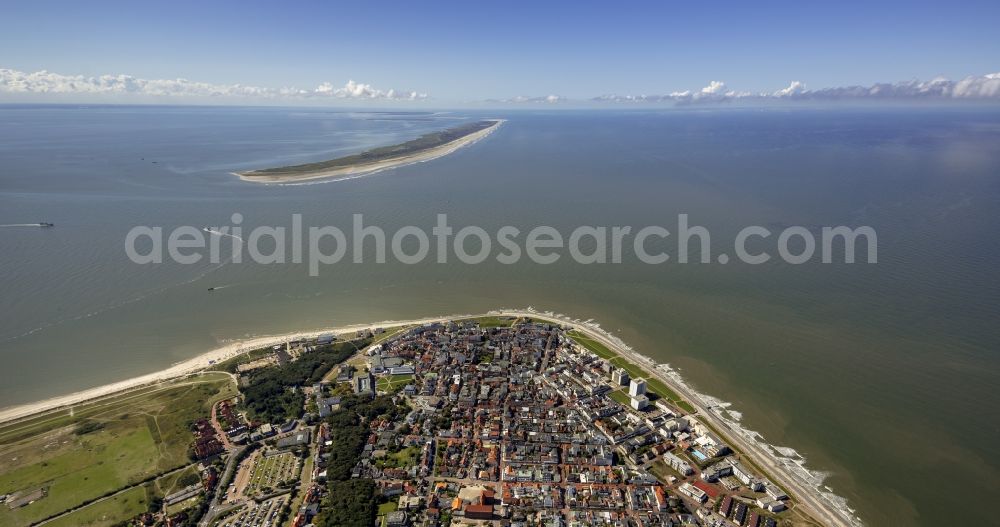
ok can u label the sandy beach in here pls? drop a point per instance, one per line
(819, 503)
(360, 169)
(187, 367)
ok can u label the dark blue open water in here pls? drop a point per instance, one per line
(884, 375)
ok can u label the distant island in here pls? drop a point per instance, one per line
(424, 148)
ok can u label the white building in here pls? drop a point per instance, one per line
(637, 387)
(678, 424)
(775, 491)
(742, 473)
(678, 464)
(693, 492)
(665, 408)
(639, 403)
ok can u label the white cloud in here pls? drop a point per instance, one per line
(985, 86)
(521, 99)
(48, 83)
(714, 88)
(973, 87)
(45, 82)
(716, 91)
(357, 90)
(793, 89)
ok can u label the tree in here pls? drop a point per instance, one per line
(271, 395)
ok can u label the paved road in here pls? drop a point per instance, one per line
(216, 509)
(226, 443)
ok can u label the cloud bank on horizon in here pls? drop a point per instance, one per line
(45, 82)
(521, 99)
(972, 87)
(982, 87)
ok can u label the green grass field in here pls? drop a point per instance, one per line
(106, 512)
(134, 436)
(405, 458)
(620, 397)
(597, 348)
(389, 333)
(662, 471)
(183, 506)
(393, 383)
(170, 483)
(686, 406)
(494, 322)
(384, 509)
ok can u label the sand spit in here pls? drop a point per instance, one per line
(360, 169)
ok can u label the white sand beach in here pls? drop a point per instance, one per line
(187, 367)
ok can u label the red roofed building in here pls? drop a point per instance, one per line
(661, 498)
(479, 512)
(711, 490)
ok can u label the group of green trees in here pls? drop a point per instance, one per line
(271, 395)
(87, 426)
(269, 398)
(350, 502)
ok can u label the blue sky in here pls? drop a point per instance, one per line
(468, 51)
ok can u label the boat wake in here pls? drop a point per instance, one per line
(221, 233)
(123, 303)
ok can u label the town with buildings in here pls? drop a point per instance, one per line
(524, 426)
(508, 422)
